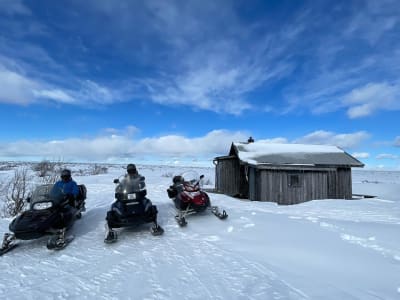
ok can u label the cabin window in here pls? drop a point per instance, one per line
(294, 180)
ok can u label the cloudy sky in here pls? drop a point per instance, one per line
(136, 80)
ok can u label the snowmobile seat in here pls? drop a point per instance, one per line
(82, 192)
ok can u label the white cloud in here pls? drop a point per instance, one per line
(361, 154)
(397, 141)
(344, 140)
(216, 76)
(121, 143)
(362, 48)
(372, 97)
(114, 145)
(387, 156)
(374, 20)
(216, 141)
(213, 66)
(128, 131)
(278, 140)
(14, 7)
(92, 92)
(195, 59)
(16, 88)
(56, 95)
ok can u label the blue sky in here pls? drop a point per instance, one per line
(120, 80)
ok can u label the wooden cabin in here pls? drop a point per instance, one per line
(285, 173)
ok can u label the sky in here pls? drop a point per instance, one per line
(169, 81)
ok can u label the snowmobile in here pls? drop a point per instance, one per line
(51, 212)
(189, 198)
(131, 207)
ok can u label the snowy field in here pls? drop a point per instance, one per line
(326, 249)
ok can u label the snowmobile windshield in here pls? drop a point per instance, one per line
(191, 177)
(131, 184)
(57, 195)
(41, 193)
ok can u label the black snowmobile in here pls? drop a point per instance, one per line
(131, 207)
(51, 212)
(189, 198)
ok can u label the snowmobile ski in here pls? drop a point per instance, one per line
(8, 243)
(59, 241)
(156, 230)
(181, 221)
(57, 244)
(7, 249)
(218, 214)
(111, 237)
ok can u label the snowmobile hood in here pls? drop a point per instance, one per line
(47, 193)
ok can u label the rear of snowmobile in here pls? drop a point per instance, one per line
(131, 208)
(189, 198)
(50, 212)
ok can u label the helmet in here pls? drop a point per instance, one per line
(65, 174)
(131, 169)
(177, 179)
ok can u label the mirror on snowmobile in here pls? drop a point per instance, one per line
(142, 178)
(28, 199)
(201, 177)
(116, 180)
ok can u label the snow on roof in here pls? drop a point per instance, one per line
(273, 148)
(293, 154)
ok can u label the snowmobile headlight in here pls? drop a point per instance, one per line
(42, 205)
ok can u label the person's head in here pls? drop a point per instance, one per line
(66, 175)
(131, 169)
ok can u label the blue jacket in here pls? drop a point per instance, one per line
(68, 187)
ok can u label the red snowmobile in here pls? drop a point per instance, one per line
(189, 198)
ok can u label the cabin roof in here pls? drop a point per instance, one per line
(265, 153)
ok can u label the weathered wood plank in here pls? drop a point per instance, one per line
(271, 183)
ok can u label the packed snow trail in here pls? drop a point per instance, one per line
(262, 251)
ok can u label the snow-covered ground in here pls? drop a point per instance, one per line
(326, 249)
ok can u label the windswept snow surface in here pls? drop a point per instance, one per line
(326, 249)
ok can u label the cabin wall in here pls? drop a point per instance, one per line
(345, 183)
(274, 186)
(227, 176)
(333, 191)
(340, 184)
(244, 182)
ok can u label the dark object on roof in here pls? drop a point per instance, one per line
(250, 140)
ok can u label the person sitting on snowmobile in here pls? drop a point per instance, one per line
(131, 207)
(68, 186)
(131, 175)
(131, 171)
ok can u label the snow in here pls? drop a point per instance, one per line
(325, 249)
(274, 148)
(252, 151)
